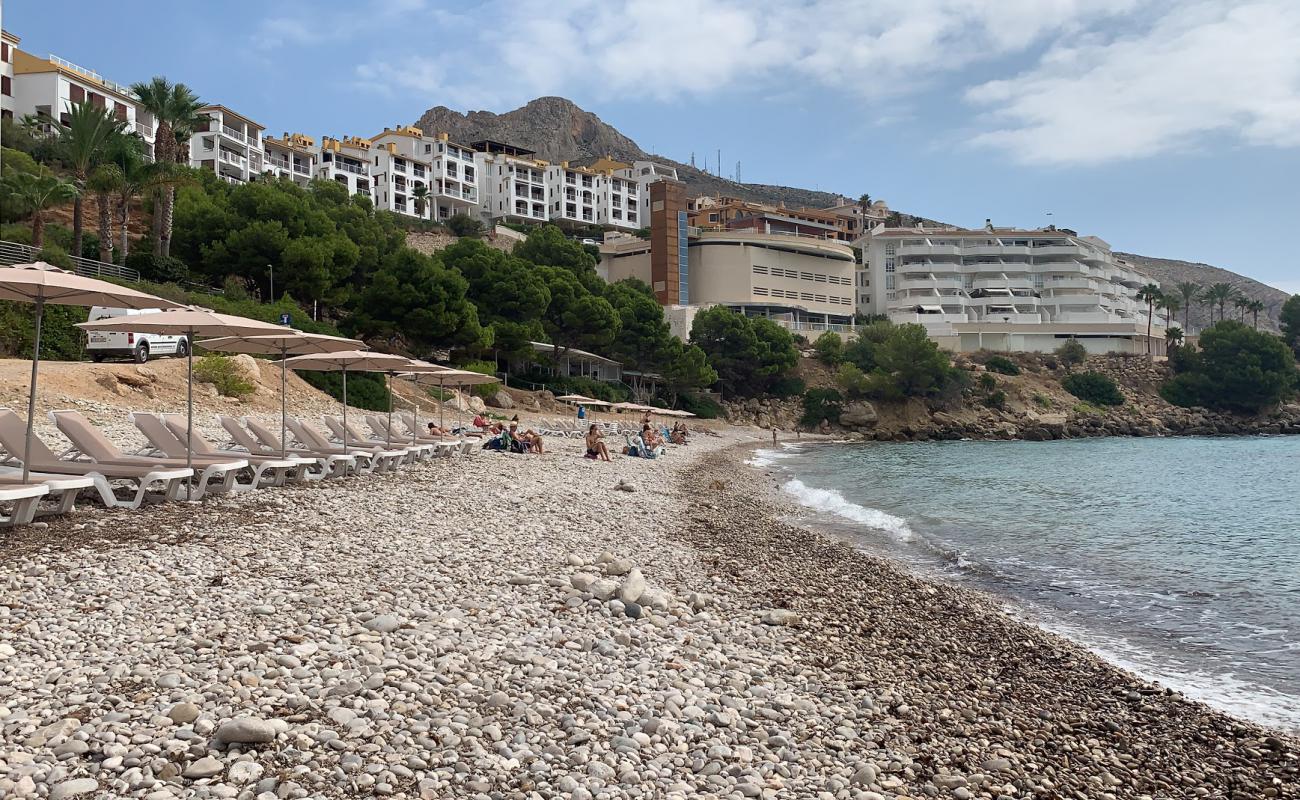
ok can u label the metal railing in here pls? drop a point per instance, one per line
(88, 73)
(234, 133)
(143, 130)
(15, 253)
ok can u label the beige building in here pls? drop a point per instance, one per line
(802, 283)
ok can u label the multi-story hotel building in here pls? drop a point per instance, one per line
(227, 143)
(423, 176)
(346, 161)
(8, 47)
(50, 86)
(512, 184)
(1007, 289)
(291, 156)
(577, 194)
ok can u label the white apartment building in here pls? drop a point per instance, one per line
(642, 174)
(8, 48)
(423, 176)
(228, 143)
(512, 184)
(50, 86)
(577, 194)
(1005, 289)
(291, 156)
(346, 161)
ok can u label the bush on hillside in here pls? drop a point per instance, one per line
(820, 404)
(465, 226)
(1072, 353)
(829, 348)
(987, 382)
(484, 390)
(576, 384)
(1238, 369)
(1001, 365)
(220, 371)
(997, 399)
(701, 405)
(365, 390)
(1094, 388)
(55, 255)
(161, 269)
(61, 340)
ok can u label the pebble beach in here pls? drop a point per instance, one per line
(509, 626)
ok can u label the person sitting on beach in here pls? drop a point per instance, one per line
(500, 439)
(434, 430)
(532, 440)
(481, 422)
(596, 448)
(679, 433)
(513, 443)
(654, 446)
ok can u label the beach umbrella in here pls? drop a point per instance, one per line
(414, 366)
(342, 361)
(42, 284)
(444, 376)
(189, 322)
(289, 343)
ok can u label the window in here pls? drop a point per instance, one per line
(4, 53)
(6, 87)
(76, 94)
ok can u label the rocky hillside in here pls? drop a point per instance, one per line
(1170, 272)
(561, 131)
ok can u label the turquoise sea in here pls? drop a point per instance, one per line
(1176, 558)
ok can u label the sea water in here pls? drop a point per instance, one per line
(1177, 558)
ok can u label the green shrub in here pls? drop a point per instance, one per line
(365, 390)
(61, 340)
(996, 400)
(483, 390)
(830, 348)
(852, 380)
(161, 269)
(701, 405)
(1094, 388)
(1042, 400)
(1001, 365)
(53, 254)
(820, 404)
(987, 382)
(220, 371)
(465, 226)
(1072, 353)
(787, 386)
(1087, 408)
(1238, 369)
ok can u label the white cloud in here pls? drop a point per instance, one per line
(662, 49)
(1202, 71)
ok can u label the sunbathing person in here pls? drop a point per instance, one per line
(679, 434)
(532, 440)
(596, 448)
(434, 430)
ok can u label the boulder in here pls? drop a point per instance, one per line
(546, 399)
(245, 730)
(246, 367)
(858, 414)
(781, 616)
(634, 585)
(501, 399)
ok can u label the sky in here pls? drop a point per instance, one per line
(1169, 128)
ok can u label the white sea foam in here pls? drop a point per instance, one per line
(830, 501)
(766, 458)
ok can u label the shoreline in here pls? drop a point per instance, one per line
(456, 630)
(952, 640)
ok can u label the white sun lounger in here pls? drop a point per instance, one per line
(22, 499)
(90, 442)
(368, 460)
(324, 465)
(165, 441)
(143, 483)
(62, 489)
(410, 453)
(440, 447)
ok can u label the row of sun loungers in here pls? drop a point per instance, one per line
(253, 458)
(574, 428)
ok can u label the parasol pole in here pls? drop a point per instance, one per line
(389, 376)
(415, 410)
(442, 402)
(284, 444)
(345, 408)
(31, 392)
(189, 403)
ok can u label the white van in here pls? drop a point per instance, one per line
(140, 347)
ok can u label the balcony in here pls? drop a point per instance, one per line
(1086, 317)
(229, 178)
(302, 169)
(1002, 283)
(1067, 250)
(346, 167)
(419, 171)
(929, 250)
(1010, 317)
(1072, 283)
(278, 163)
(233, 158)
(997, 250)
(143, 130)
(234, 133)
(902, 316)
(399, 166)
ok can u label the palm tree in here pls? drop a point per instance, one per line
(1173, 337)
(127, 154)
(1254, 307)
(1171, 306)
(421, 196)
(83, 140)
(105, 182)
(1241, 302)
(1189, 291)
(175, 108)
(1149, 294)
(36, 194)
(1217, 294)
